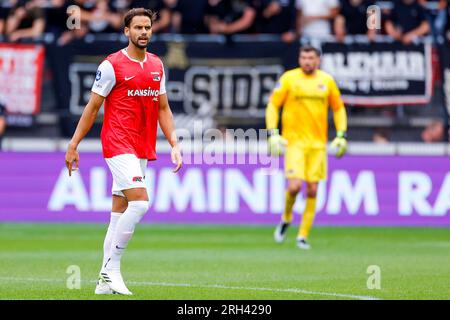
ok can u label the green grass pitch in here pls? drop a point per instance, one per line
(228, 262)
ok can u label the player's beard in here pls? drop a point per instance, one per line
(309, 71)
(138, 45)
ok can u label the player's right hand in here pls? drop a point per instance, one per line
(276, 143)
(71, 157)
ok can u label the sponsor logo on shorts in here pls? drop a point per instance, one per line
(137, 179)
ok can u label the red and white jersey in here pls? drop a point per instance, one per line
(132, 89)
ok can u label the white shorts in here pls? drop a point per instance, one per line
(128, 172)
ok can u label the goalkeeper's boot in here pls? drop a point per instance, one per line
(280, 231)
(114, 279)
(102, 287)
(303, 244)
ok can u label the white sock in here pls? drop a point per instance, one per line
(124, 231)
(109, 236)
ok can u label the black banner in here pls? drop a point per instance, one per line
(213, 78)
(445, 65)
(377, 74)
(235, 79)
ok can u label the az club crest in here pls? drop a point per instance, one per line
(155, 76)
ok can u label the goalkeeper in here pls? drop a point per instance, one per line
(305, 93)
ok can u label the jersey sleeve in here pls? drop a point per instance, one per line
(280, 92)
(105, 79)
(162, 88)
(337, 105)
(334, 97)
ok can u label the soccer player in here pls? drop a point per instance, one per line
(131, 83)
(305, 93)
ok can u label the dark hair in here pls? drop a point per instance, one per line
(138, 12)
(309, 48)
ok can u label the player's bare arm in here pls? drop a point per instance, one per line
(2, 125)
(84, 125)
(165, 119)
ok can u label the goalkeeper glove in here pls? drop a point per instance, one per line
(340, 142)
(276, 143)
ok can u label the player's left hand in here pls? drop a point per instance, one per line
(276, 143)
(340, 143)
(176, 158)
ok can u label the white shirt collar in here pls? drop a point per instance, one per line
(124, 51)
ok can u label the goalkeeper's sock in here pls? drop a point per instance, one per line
(288, 205)
(308, 218)
(109, 235)
(124, 231)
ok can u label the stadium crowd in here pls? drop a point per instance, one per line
(403, 20)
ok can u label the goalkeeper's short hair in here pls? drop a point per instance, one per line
(309, 48)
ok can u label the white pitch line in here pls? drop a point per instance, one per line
(219, 286)
(206, 286)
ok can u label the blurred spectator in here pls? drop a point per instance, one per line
(447, 26)
(380, 137)
(164, 10)
(78, 32)
(96, 16)
(105, 16)
(2, 122)
(434, 132)
(102, 16)
(314, 17)
(277, 17)
(188, 17)
(436, 16)
(25, 21)
(56, 17)
(407, 21)
(3, 15)
(230, 16)
(352, 19)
